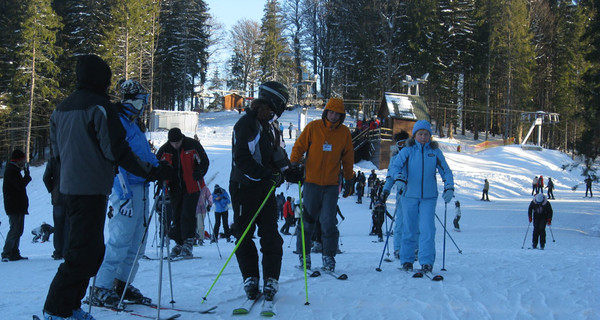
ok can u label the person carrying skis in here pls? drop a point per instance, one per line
(418, 161)
(129, 197)
(258, 160)
(327, 143)
(190, 164)
(88, 140)
(540, 212)
(221, 200)
(486, 188)
(457, 215)
(550, 187)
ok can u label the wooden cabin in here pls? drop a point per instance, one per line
(233, 101)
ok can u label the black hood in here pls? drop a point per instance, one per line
(93, 73)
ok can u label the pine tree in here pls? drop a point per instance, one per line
(35, 53)
(273, 43)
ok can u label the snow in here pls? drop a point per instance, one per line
(493, 278)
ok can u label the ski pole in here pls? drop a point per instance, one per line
(291, 238)
(523, 246)
(446, 231)
(444, 247)
(551, 233)
(303, 243)
(239, 242)
(389, 231)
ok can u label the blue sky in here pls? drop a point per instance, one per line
(229, 12)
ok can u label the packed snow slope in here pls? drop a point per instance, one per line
(493, 278)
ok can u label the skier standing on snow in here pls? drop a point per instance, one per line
(550, 187)
(371, 181)
(16, 203)
(360, 186)
(327, 144)
(221, 200)
(205, 202)
(190, 164)
(534, 185)
(88, 140)
(457, 215)
(486, 188)
(288, 214)
(588, 186)
(418, 161)
(130, 199)
(258, 161)
(387, 187)
(540, 186)
(540, 212)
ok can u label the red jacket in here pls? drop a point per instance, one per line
(287, 210)
(190, 158)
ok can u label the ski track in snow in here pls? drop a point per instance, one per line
(493, 278)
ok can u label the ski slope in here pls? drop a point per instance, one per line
(493, 277)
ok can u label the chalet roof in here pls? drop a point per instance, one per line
(403, 106)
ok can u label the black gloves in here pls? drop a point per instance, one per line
(26, 169)
(295, 173)
(384, 196)
(276, 178)
(162, 172)
(197, 174)
(208, 207)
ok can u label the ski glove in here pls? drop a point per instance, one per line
(448, 195)
(126, 208)
(161, 173)
(530, 220)
(276, 178)
(197, 174)
(384, 196)
(295, 173)
(208, 207)
(549, 222)
(400, 183)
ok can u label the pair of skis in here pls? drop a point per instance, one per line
(267, 307)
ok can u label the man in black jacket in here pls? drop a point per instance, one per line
(88, 141)
(257, 166)
(540, 212)
(16, 203)
(190, 164)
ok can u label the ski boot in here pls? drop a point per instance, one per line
(270, 289)
(79, 314)
(427, 268)
(103, 297)
(132, 294)
(251, 287)
(301, 259)
(407, 266)
(329, 263)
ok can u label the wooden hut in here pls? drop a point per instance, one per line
(233, 101)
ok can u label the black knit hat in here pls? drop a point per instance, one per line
(93, 73)
(17, 155)
(175, 135)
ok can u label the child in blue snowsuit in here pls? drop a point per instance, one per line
(418, 162)
(130, 199)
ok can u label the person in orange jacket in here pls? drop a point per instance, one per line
(327, 144)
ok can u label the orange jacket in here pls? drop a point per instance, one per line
(323, 167)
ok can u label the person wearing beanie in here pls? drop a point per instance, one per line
(326, 143)
(88, 140)
(257, 168)
(16, 203)
(486, 188)
(129, 196)
(190, 164)
(540, 213)
(418, 187)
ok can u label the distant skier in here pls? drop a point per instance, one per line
(540, 186)
(486, 187)
(550, 187)
(540, 212)
(588, 186)
(534, 184)
(458, 214)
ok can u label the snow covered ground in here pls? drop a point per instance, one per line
(493, 278)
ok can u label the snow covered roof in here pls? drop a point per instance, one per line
(403, 106)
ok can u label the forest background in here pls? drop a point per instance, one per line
(487, 60)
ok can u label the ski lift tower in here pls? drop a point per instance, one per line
(409, 82)
(537, 119)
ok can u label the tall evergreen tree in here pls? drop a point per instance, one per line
(274, 46)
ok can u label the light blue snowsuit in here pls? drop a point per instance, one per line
(419, 163)
(125, 232)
